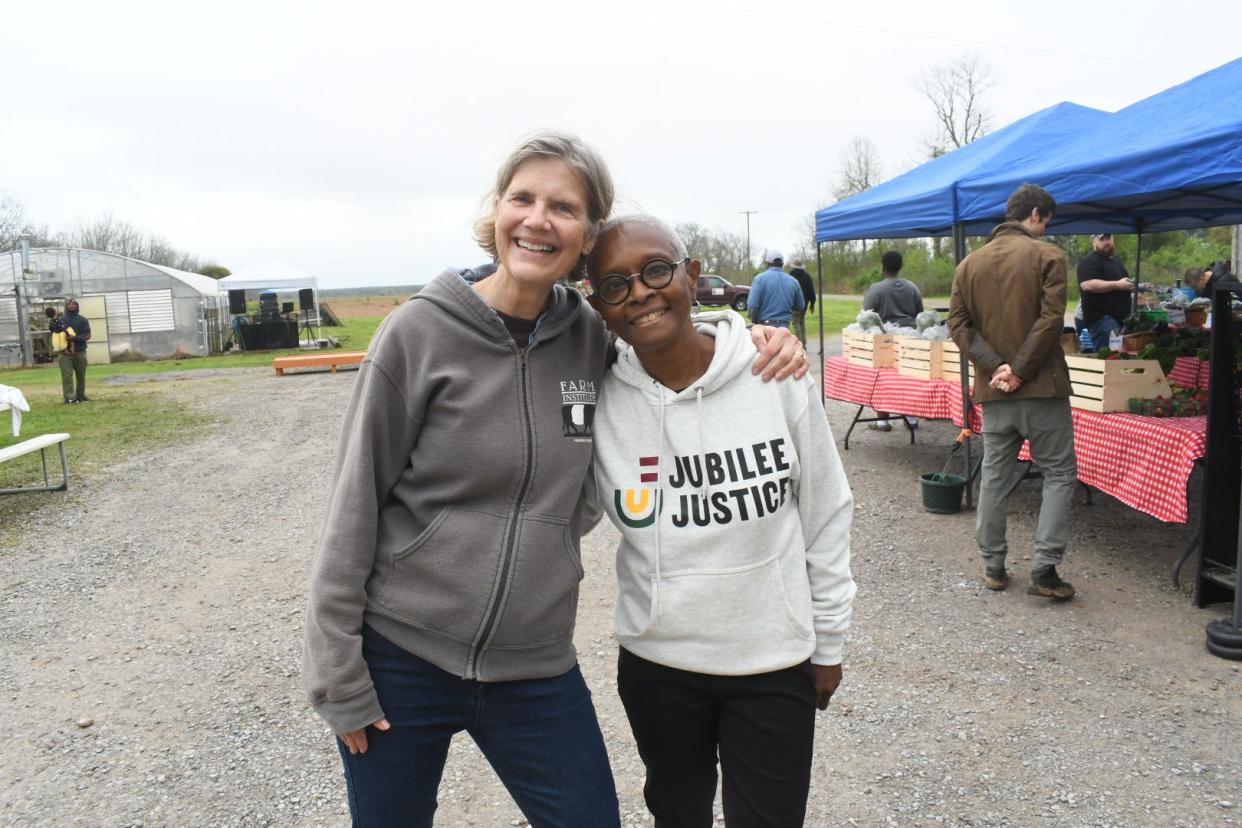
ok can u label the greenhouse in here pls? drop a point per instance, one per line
(137, 310)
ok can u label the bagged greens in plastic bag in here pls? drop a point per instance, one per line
(926, 319)
(899, 330)
(869, 319)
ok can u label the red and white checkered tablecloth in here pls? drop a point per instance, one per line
(850, 383)
(886, 390)
(1145, 462)
(1190, 372)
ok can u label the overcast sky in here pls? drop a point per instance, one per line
(354, 141)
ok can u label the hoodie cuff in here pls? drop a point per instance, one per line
(828, 649)
(350, 714)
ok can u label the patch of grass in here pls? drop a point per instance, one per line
(354, 334)
(120, 421)
(116, 424)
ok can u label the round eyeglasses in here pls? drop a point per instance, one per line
(614, 288)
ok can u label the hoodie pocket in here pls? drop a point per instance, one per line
(543, 592)
(745, 605)
(443, 579)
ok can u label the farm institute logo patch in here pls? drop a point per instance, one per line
(577, 407)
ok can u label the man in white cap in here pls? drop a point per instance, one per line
(774, 295)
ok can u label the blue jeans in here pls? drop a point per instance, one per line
(540, 736)
(1100, 330)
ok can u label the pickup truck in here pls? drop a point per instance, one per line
(714, 290)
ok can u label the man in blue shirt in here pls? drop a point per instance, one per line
(774, 295)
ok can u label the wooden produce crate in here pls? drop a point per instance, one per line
(921, 358)
(951, 361)
(875, 350)
(1106, 385)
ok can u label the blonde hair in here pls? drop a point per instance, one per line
(550, 144)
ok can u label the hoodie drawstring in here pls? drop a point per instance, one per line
(706, 488)
(659, 496)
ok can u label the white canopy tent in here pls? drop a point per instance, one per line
(277, 277)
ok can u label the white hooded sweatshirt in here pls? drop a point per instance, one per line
(734, 514)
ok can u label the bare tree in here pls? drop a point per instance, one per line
(721, 253)
(955, 90)
(14, 223)
(860, 168)
(111, 235)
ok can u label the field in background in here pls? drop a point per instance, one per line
(355, 306)
(123, 419)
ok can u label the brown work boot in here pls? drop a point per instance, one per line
(1046, 582)
(995, 579)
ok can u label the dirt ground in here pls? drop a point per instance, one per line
(150, 649)
(363, 306)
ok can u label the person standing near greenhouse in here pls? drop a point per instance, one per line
(76, 330)
(445, 584)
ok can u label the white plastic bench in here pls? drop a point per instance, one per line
(41, 445)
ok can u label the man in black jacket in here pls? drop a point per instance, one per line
(808, 293)
(73, 359)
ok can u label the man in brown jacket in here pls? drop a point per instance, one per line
(1006, 313)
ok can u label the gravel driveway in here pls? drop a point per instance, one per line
(159, 605)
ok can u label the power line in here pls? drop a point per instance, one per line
(748, 214)
(1017, 47)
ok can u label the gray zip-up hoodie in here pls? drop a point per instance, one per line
(454, 518)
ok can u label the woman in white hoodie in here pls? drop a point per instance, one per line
(734, 510)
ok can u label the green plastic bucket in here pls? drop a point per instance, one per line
(942, 493)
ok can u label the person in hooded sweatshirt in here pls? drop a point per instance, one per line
(445, 584)
(733, 568)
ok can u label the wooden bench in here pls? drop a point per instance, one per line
(331, 359)
(41, 445)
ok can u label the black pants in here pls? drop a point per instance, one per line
(762, 725)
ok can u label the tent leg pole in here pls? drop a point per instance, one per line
(819, 301)
(1138, 268)
(959, 253)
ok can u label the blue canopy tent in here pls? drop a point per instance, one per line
(924, 201)
(1172, 161)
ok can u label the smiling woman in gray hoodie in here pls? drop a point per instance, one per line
(733, 568)
(445, 582)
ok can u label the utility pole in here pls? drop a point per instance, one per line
(748, 214)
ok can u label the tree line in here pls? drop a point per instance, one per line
(105, 233)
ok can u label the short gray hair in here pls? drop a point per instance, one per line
(662, 227)
(550, 144)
